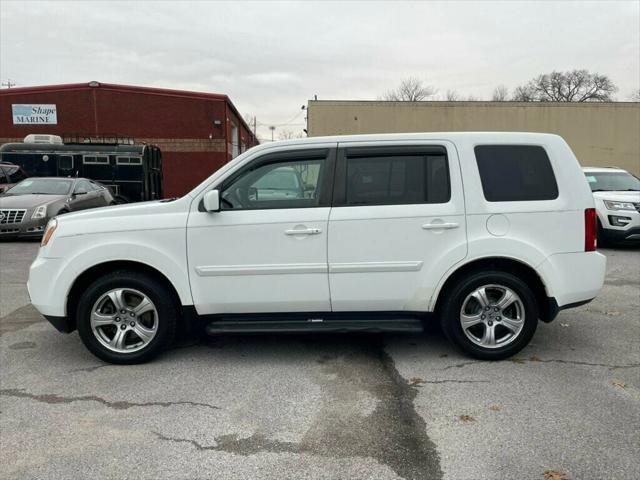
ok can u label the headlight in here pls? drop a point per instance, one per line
(51, 227)
(39, 212)
(613, 205)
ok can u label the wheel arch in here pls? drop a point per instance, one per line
(546, 304)
(89, 275)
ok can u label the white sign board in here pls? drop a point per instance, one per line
(26, 114)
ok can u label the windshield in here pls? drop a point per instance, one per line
(612, 181)
(45, 186)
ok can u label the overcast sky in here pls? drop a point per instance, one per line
(271, 57)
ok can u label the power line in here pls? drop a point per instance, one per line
(285, 124)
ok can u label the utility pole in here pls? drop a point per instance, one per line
(255, 137)
(273, 129)
(8, 83)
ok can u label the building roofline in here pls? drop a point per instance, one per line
(488, 103)
(166, 92)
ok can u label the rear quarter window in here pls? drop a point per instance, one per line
(514, 173)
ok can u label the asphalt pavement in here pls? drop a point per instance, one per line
(325, 407)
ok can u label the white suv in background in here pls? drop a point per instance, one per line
(487, 232)
(617, 197)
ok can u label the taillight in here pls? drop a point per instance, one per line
(590, 230)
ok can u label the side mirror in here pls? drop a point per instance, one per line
(212, 201)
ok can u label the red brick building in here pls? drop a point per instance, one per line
(197, 132)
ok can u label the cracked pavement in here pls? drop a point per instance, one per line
(325, 407)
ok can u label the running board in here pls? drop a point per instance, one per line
(313, 325)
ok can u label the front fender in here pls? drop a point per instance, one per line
(166, 254)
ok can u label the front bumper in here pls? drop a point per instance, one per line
(48, 286)
(27, 228)
(629, 235)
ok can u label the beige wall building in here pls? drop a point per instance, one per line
(600, 134)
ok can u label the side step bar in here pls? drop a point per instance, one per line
(314, 325)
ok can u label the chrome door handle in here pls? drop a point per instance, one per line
(440, 226)
(303, 231)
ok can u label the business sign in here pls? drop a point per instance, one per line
(24, 114)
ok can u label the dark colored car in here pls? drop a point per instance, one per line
(26, 207)
(132, 172)
(10, 174)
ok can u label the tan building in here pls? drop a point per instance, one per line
(600, 134)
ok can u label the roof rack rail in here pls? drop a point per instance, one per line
(101, 139)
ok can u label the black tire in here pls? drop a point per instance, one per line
(162, 298)
(453, 303)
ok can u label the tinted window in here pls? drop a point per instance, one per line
(511, 173)
(82, 186)
(397, 180)
(287, 184)
(65, 162)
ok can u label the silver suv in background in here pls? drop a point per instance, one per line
(617, 196)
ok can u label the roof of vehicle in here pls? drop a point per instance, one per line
(516, 137)
(603, 169)
(76, 148)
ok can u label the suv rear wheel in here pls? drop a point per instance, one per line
(490, 315)
(126, 317)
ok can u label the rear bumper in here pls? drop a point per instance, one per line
(552, 310)
(573, 278)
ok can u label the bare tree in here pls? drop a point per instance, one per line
(500, 94)
(452, 96)
(570, 86)
(472, 98)
(635, 96)
(289, 135)
(523, 94)
(411, 89)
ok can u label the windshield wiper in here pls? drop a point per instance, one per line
(601, 190)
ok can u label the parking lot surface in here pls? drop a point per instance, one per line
(376, 406)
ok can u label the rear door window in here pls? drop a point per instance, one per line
(393, 176)
(513, 173)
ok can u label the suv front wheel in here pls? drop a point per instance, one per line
(126, 317)
(490, 315)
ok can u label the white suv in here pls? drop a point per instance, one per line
(489, 232)
(617, 196)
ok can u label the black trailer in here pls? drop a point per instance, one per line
(132, 172)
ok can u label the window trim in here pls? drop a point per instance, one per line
(287, 156)
(536, 145)
(85, 162)
(346, 151)
(128, 164)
